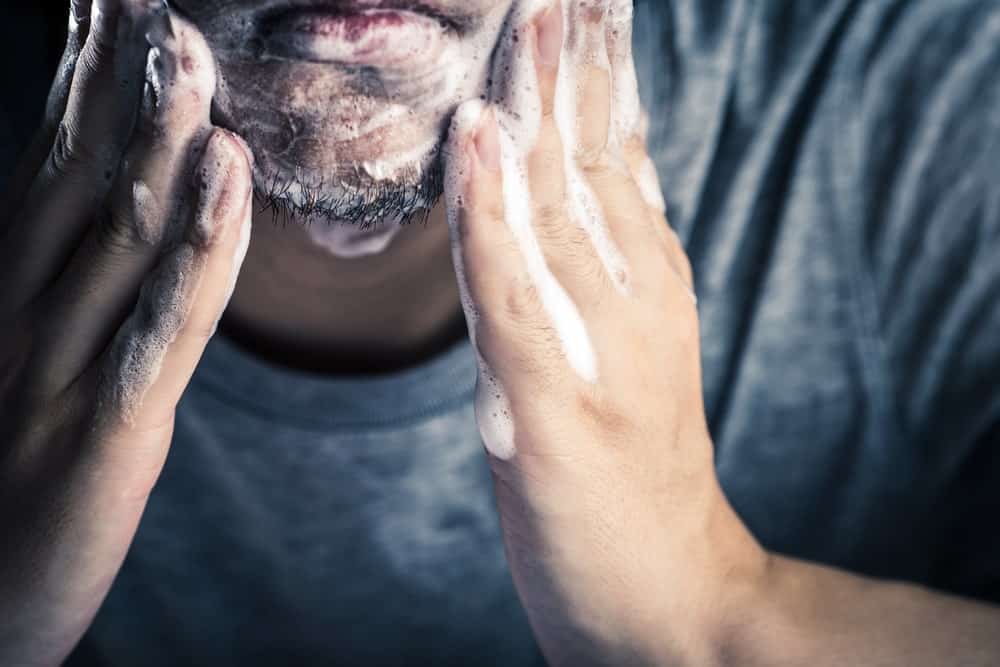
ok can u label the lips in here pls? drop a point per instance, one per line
(377, 33)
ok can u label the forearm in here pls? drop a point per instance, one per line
(801, 613)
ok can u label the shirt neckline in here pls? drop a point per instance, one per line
(342, 401)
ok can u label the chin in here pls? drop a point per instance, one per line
(346, 103)
(346, 113)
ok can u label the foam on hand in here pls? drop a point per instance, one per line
(492, 406)
(180, 65)
(146, 213)
(514, 95)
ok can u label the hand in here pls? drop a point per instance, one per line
(579, 303)
(123, 232)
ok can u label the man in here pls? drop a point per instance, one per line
(327, 499)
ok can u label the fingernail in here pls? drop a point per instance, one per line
(549, 30)
(218, 196)
(247, 152)
(487, 141)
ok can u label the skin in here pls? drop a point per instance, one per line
(622, 546)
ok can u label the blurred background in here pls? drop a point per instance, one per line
(31, 42)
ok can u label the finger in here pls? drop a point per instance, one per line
(627, 114)
(574, 235)
(150, 361)
(83, 159)
(510, 291)
(647, 180)
(588, 46)
(606, 168)
(567, 247)
(152, 194)
(631, 129)
(545, 161)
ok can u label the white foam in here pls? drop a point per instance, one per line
(147, 214)
(348, 242)
(239, 255)
(648, 181)
(138, 351)
(492, 406)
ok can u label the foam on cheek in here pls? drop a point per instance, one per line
(240, 253)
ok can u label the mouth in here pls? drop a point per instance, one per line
(374, 33)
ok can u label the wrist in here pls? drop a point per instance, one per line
(713, 597)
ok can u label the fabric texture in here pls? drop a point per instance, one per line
(832, 169)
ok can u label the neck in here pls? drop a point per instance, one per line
(299, 305)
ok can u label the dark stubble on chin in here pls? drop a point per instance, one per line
(299, 198)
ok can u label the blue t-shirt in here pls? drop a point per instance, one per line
(834, 171)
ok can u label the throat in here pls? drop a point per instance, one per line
(299, 306)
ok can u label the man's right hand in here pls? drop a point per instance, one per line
(120, 239)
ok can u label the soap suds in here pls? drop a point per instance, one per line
(147, 214)
(327, 137)
(518, 111)
(141, 345)
(239, 254)
(648, 181)
(492, 407)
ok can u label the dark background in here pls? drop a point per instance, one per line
(31, 42)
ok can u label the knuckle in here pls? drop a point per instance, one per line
(522, 304)
(68, 154)
(116, 233)
(598, 167)
(73, 157)
(99, 50)
(489, 208)
(549, 217)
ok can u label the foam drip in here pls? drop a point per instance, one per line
(492, 407)
(517, 105)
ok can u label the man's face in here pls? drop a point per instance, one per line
(345, 102)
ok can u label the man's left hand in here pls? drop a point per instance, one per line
(620, 541)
